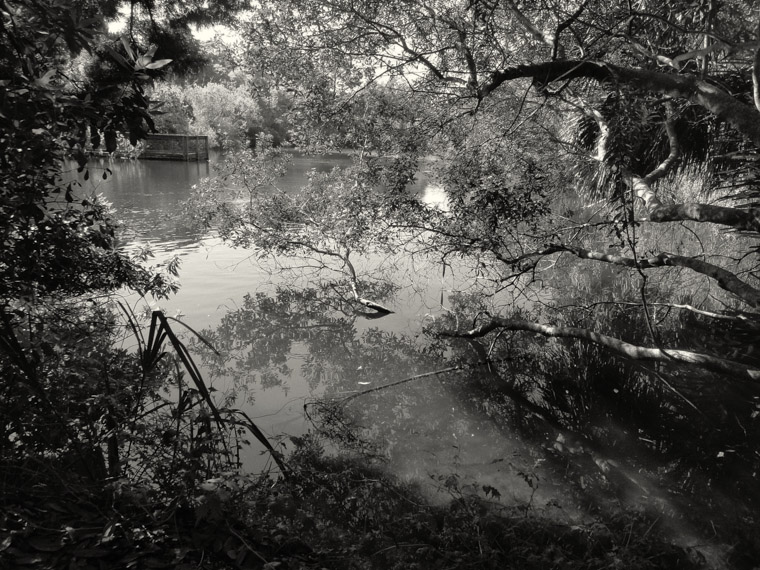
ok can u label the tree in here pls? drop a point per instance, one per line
(223, 113)
(645, 97)
(333, 220)
(610, 147)
(55, 241)
(81, 415)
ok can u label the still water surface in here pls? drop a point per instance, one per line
(215, 279)
(283, 348)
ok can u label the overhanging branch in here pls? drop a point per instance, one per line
(725, 279)
(622, 348)
(744, 118)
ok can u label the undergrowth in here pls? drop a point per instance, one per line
(331, 512)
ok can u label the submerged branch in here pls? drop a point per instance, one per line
(616, 345)
(354, 288)
(405, 380)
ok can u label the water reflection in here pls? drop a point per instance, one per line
(147, 194)
(297, 345)
(310, 335)
(467, 430)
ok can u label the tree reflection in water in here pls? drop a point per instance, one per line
(528, 420)
(427, 428)
(264, 339)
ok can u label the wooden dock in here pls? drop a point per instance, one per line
(175, 147)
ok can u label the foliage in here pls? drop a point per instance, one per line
(230, 115)
(334, 219)
(502, 146)
(174, 112)
(223, 113)
(337, 513)
(55, 241)
(490, 92)
(355, 514)
(274, 123)
(99, 438)
(590, 156)
(169, 26)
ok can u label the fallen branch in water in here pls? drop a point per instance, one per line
(345, 400)
(354, 282)
(372, 305)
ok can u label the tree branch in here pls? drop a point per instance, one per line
(557, 48)
(756, 77)
(740, 219)
(544, 38)
(616, 345)
(669, 163)
(747, 219)
(725, 279)
(719, 46)
(739, 115)
(743, 117)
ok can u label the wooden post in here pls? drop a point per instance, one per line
(184, 139)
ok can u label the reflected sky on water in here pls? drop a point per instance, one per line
(286, 342)
(147, 197)
(283, 348)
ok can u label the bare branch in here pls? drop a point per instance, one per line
(725, 279)
(747, 219)
(557, 50)
(617, 346)
(664, 168)
(740, 219)
(719, 46)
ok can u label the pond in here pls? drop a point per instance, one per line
(285, 346)
(220, 284)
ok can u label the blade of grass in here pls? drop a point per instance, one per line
(197, 334)
(258, 434)
(191, 369)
